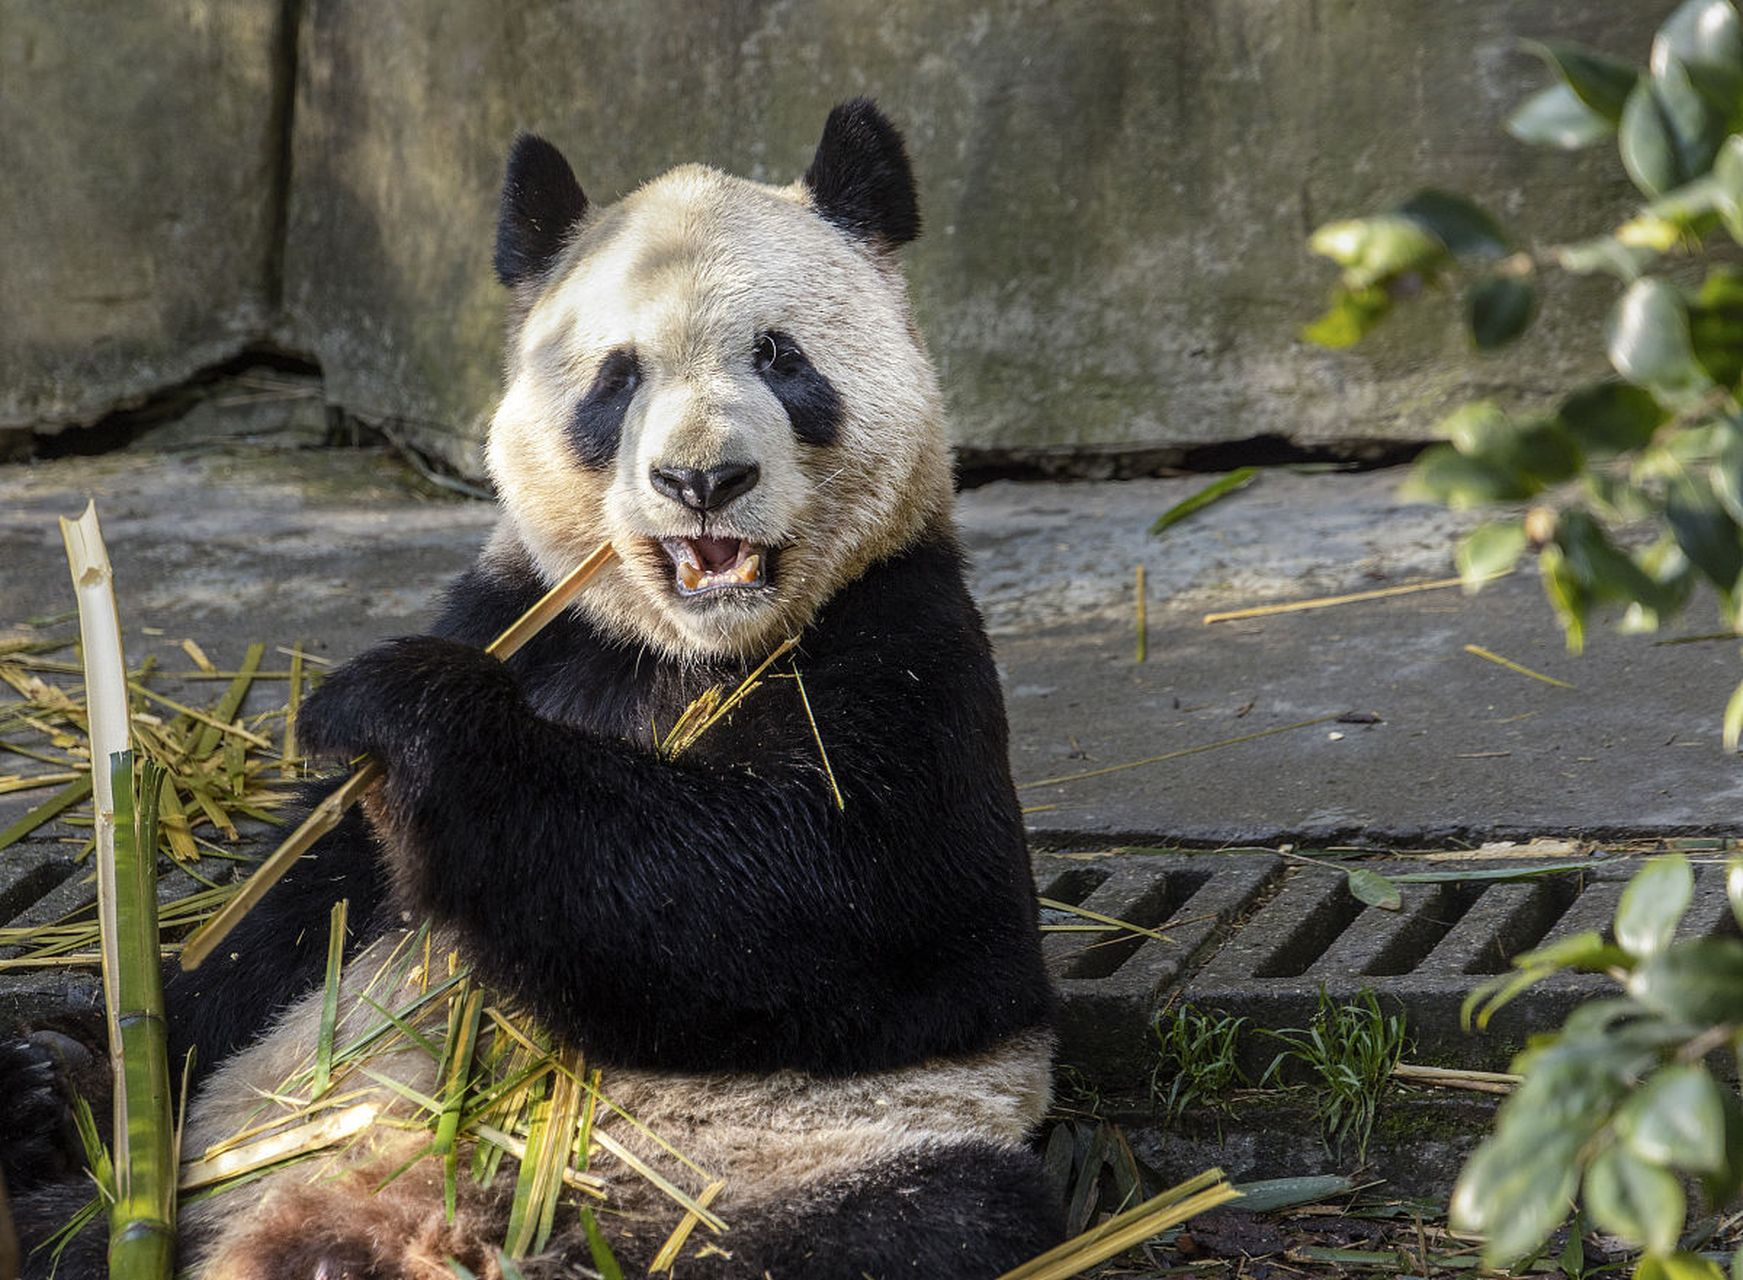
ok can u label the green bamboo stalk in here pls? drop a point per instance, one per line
(330, 998)
(142, 1216)
(141, 1222)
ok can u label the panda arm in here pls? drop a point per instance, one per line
(701, 916)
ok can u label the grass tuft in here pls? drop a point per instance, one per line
(1348, 1053)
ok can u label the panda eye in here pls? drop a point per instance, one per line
(777, 352)
(813, 405)
(597, 424)
(766, 352)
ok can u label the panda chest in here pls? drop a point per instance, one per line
(697, 713)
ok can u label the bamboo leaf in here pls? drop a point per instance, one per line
(1216, 490)
(1375, 889)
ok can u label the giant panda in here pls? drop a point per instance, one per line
(836, 1004)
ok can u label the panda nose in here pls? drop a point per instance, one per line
(706, 490)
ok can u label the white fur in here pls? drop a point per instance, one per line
(769, 1137)
(688, 270)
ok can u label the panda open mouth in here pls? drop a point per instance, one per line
(712, 566)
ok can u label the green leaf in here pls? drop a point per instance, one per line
(1604, 253)
(1700, 31)
(1464, 228)
(1375, 889)
(1273, 1194)
(1564, 594)
(1653, 904)
(1498, 309)
(1353, 314)
(1716, 325)
(1649, 151)
(1669, 133)
(1638, 1201)
(1373, 250)
(1733, 733)
(1611, 418)
(1605, 573)
(1677, 1120)
(1649, 343)
(1491, 548)
(1531, 454)
(604, 1260)
(1601, 82)
(1676, 1266)
(1705, 531)
(1585, 950)
(1221, 487)
(1726, 472)
(1515, 1190)
(1443, 474)
(1555, 117)
(1699, 981)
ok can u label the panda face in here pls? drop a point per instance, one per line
(728, 385)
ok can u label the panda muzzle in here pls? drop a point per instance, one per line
(706, 566)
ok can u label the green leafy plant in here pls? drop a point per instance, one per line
(1661, 443)
(1195, 1063)
(1347, 1053)
(1623, 1103)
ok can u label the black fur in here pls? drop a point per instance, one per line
(40, 1073)
(812, 403)
(541, 203)
(860, 178)
(714, 914)
(279, 950)
(717, 913)
(597, 426)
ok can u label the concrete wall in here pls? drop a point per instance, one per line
(1116, 191)
(138, 195)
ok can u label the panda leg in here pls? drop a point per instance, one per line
(350, 1227)
(41, 1072)
(962, 1211)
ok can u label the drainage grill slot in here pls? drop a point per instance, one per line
(1324, 916)
(1518, 917)
(1434, 915)
(1154, 901)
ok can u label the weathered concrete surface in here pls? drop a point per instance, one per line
(1116, 195)
(1465, 749)
(338, 549)
(138, 231)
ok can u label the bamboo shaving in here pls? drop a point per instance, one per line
(1327, 602)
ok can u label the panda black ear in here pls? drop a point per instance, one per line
(860, 178)
(541, 202)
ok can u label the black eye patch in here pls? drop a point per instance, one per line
(812, 403)
(597, 425)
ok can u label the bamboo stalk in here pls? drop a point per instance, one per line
(1354, 597)
(326, 815)
(141, 1220)
(1126, 1230)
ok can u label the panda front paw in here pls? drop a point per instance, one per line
(402, 699)
(40, 1075)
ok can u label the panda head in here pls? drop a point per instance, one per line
(722, 378)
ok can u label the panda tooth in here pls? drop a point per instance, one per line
(747, 572)
(690, 576)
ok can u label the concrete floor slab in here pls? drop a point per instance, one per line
(337, 549)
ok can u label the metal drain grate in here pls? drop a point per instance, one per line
(1111, 984)
(1427, 956)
